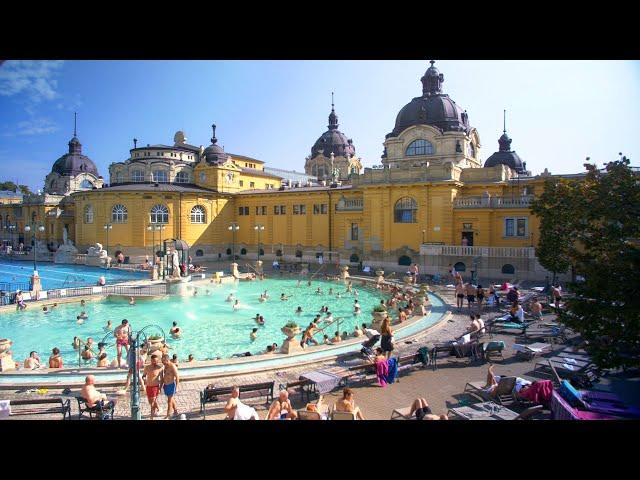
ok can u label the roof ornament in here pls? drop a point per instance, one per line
(333, 118)
(75, 121)
(504, 121)
(214, 139)
(432, 80)
(135, 143)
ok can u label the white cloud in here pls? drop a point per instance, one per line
(33, 79)
(36, 126)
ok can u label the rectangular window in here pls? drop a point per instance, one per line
(316, 209)
(303, 209)
(241, 211)
(515, 227)
(296, 209)
(324, 208)
(276, 210)
(283, 210)
(241, 183)
(252, 184)
(246, 210)
(354, 231)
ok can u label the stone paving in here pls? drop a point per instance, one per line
(442, 388)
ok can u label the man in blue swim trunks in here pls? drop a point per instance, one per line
(170, 384)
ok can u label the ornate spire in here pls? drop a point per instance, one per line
(333, 118)
(432, 80)
(74, 143)
(504, 141)
(214, 140)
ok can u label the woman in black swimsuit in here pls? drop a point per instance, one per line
(386, 339)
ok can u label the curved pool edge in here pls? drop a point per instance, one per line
(74, 377)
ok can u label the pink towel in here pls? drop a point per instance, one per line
(539, 392)
(382, 370)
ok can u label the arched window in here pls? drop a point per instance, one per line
(405, 210)
(354, 258)
(199, 253)
(160, 176)
(321, 173)
(243, 251)
(88, 214)
(182, 177)
(33, 217)
(86, 184)
(278, 253)
(228, 251)
(137, 176)
(404, 260)
(118, 178)
(419, 147)
(314, 170)
(508, 269)
(262, 251)
(460, 267)
(119, 214)
(198, 214)
(299, 253)
(159, 214)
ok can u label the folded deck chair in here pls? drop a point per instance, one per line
(503, 391)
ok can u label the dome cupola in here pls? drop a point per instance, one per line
(74, 163)
(214, 153)
(433, 108)
(504, 155)
(333, 140)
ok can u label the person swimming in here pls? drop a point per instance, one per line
(109, 326)
(283, 297)
(236, 305)
(262, 298)
(45, 310)
(79, 320)
(76, 343)
(83, 315)
(132, 301)
(319, 291)
(254, 334)
(299, 310)
(260, 320)
(175, 330)
(230, 298)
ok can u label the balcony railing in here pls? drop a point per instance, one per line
(459, 251)
(482, 201)
(350, 205)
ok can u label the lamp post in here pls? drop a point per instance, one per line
(153, 245)
(107, 227)
(36, 227)
(12, 230)
(259, 228)
(234, 227)
(134, 342)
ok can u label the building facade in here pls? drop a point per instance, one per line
(432, 202)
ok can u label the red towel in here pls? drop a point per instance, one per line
(382, 370)
(538, 392)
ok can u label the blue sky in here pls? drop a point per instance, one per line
(558, 112)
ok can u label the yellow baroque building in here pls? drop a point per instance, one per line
(432, 201)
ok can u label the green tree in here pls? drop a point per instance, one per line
(12, 187)
(601, 218)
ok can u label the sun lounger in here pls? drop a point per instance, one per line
(530, 412)
(503, 392)
(567, 365)
(561, 410)
(307, 415)
(509, 327)
(342, 415)
(529, 352)
(401, 413)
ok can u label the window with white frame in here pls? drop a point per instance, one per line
(420, 147)
(160, 176)
(159, 214)
(88, 214)
(198, 214)
(119, 214)
(137, 176)
(182, 177)
(516, 227)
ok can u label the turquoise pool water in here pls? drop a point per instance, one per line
(211, 327)
(55, 276)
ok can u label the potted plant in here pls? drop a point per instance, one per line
(155, 342)
(379, 312)
(291, 329)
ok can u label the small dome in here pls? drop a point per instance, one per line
(506, 156)
(333, 140)
(432, 108)
(214, 153)
(74, 162)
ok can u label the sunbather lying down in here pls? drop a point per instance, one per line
(494, 380)
(423, 412)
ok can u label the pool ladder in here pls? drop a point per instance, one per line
(72, 280)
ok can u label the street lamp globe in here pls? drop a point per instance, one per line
(27, 228)
(41, 228)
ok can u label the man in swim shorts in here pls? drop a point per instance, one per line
(121, 333)
(170, 384)
(153, 379)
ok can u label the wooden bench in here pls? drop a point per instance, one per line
(213, 394)
(41, 406)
